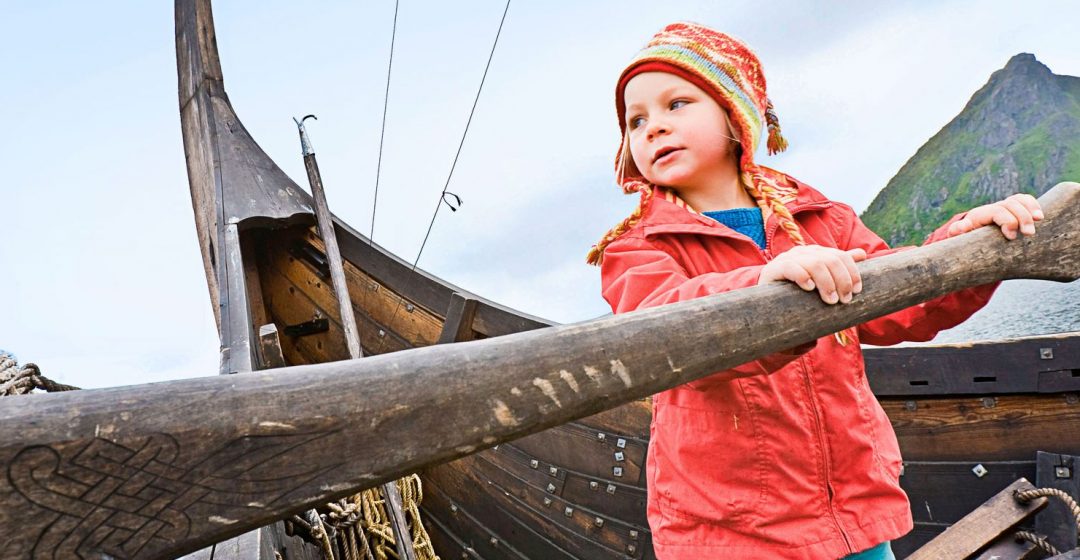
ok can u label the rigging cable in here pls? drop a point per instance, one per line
(382, 133)
(442, 195)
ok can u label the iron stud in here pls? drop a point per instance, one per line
(979, 470)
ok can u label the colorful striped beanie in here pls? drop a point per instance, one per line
(727, 70)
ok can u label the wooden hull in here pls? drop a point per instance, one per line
(577, 490)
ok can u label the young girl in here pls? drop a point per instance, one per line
(789, 456)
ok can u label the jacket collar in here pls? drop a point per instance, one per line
(666, 213)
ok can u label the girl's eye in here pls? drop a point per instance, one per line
(636, 122)
(679, 103)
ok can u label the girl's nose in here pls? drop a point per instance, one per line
(656, 128)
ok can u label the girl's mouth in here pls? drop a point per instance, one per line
(662, 154)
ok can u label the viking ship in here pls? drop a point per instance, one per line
(970, 418)
(529, 438)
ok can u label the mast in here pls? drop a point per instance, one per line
(402, 538)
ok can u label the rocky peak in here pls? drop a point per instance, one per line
(1020, 132)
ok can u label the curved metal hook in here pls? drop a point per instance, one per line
(305, 142)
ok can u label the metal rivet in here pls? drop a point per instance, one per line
(989, 402)
(610, 488)
(633, 534)
(553, 471)
(599, 522)
(594, 485)
(464, 555)
(619, 456)
(551, 488)
(630, 549)
(617, 471)
(534, 463)
(410, 307)
(494, 541)
(979, 470)
(1046, 353)
(621, 443)
(911, 405)
(601, 436)
(1072, 398)
(373, 287)
(569, 511)
(547, 501)
(1062, 472)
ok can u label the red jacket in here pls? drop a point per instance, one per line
(801, 462)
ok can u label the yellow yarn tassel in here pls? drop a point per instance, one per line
(776, 142)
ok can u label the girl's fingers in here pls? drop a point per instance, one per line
(854, 256)
(799, 276)
(858, 255)
(1025, 221)
(962, 225)
(1032, 205)
(841, 277)
(1005, 216)
(822, 276)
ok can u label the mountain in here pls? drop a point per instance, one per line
(1019, 133)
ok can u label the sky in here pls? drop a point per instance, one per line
(102, 282)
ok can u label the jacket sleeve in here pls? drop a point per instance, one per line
(636, 274)
(918, 323)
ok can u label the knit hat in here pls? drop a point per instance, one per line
(727, 70)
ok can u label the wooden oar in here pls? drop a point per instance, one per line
(154, 471)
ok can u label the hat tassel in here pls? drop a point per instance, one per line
(776, 142)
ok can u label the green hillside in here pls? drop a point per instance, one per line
(1018, 133)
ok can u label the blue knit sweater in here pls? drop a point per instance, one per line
(747, 221)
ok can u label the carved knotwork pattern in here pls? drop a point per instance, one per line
(121, 499)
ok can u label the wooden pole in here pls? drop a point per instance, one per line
(158, 470)
(394, 506)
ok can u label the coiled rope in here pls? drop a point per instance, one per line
(1025, 496)
(362, 520)
(15, 380)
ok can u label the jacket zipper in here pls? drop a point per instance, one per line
(825, 459)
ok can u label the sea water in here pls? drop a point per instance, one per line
(1022, 308)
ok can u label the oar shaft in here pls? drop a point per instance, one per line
(213, 457)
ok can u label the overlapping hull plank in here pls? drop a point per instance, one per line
(576, 490)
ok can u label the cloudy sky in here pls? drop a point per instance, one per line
(102, 281)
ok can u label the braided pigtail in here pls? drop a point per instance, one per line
(764, 190)
(596, 254)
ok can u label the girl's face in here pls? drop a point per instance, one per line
(679, 136)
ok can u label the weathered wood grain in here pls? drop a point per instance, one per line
(1001, 428)
(214, 445)
(982, 526)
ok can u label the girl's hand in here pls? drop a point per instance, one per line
(830, 271)
(1018, 212)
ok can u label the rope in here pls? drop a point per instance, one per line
(446, 186)
(1037, 540)
(382, 133)
(15, 380)
(1026, 496)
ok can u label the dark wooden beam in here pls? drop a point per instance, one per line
(163, 469)
(459, 319)
(982, 526)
